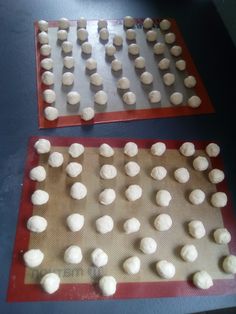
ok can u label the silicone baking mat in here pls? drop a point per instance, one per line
(115, 109)
(79, 282)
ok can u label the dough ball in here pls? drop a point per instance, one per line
(123, 83)
(75, 150)
(187, 149)
(38, 174)
(196, 229)
(132, 265)
(86, 48)
(46, 64)
(163, 198)
(219, 199)
(133, 49)
(110, 50)
(116, 65)
(68, 62)
(158, 149)
(73, 98)
(154, 96)
(45, 50)
(48, 78)
(148, 245)
(63, 23)
(170, 38)
(151, 36)
(165, 25)
(197, 197)
(73, 255)
(131, 149)
(43, 38)
(104, 224)
(148, 23)
(62, 34)
(229, 264)
(106, 150)
(67, 78)
(222, 236)
(55, 159)
(216, 176)
(164, 64)
(42, 146)
(176, 51)
(102, 23)
(202, 280)
(190, 81)
(130, 34)
(49, 96)
(87, 113)
(159, 48)
(194, 101)
(99, 258)
(158, 173)
(91, 64)
(189, 253)
(129, 21)
(180, 65)
(51, 113)
(133, 192)
(33, 258)
(169, 79)
(82, 34)
(146, 78)
(39, 197)
(107, 196)
(43, 25)
(163, 222)
(107, 284)
(73, 169)
(200, 163)
(96, 79)
(50, 282)
(212, 150)
(129, 98)
(67, 46)
(132, 168)
(37, 224)
(118, 40)
(75, 222)
(165, 269)
(78, 191)
(103, 33)
(176, 98)
(181, 175)
(82, 22)
(131, 225)
(100, 97)
(108, 172)
(139, 63)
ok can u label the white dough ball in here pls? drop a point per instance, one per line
(69, 62)
(43, 38)
(202, 280)
(96, 79)
(104, 224)
(158, 149)
(75, 222)
(50, 282)
(118, 40)
(130, 34)
(82, 34)
(154, 96)
(43, 25)
(39, 197)
(190, 81)
(67, 78)
(170, 38)
(212, 150)
(132, 168)
(165, 24)
(49, 96)
(67, 46)
(158, 173)
(176, 98)
(131, 225)
(78, 191)
(176, 50)
(133, 49)
(128, 21)
(216, 176)
(200, 163)
(163, 198)
(129, 98)
(197, 197)
(73, 169)
(229, 264)
(169, 79)
(159, 48)
(107, 196)
(42, 146)
(51, 113)
(133, 192)
(63, 23)
(131, 149)
(108, 172)
(75, 150)
(123, 83)
(148, 23)
(87, 113)
(91, 64)
(62, 34)
(82, 22)
(116, 65)
(148, 245)
(165, 269)
(139, 63)
(37, 224)
(196, 229)
(219, 199)
(86, 48)
(110, 50)
(33, 258)
(73, 98)
(163, 222)
(194, 101)
(47, 78)
(182, 175)
(38, 174)
(45, 50)
(189, 253)
(146, 78)
(107, 284)
(106, 150)
(151, 36)
(180, 65)
(100, 97)
(102, 23)
(164, 64)
(104, 33)
(46, 63)
(55, 159)
(99, 257)
(132, 265)
(187, 149)
(222, 236)
(73, 255)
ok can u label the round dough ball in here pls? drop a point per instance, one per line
(110, 50)
(107, 284)
(180, 65)
(196, 229)
(129, 98)
(151, 36)
(100, 97)
(219, 199)
(130, 34)
(75, 150)
(108, 172)
(229, 264)
(165, 24)
(67, 78)
(200, 163)
(49, 96)
(68, 62)
(131, 149)
(39, 197)
(176, 98)
(197, 197)
(38, 174)
(118, 40)
(42, 146)
(37, 224)
(45, 50)
(43, 38)
(133, 192)
(47, 78)
(129, 21)
(51, 113)
(106, 150)
(182, 175)
(176, 51)
(133, 49)
(132, 265)
(104, 224)
(73, 98)
(46, 64)
(50, 282)
(159, 48)
(33, 258)
(73, 169)
(163, 222)
(96, 79)
(139, 63)
(55, 159)
(216, 176)
(43, 25)
(187, 149)
(63, 23)
(148, 23)
(148, 245)
(116, 65)
(62, 34)
(75, 222)
(87, 113)
(165, 269)
(131, 225)
(73, 255)
(169, 79)
(67, 46)
(202, 280)
(86, 48)
(123, 83)
(91, 64)
(154, 96)
(146, 78)
(163, 198)
(158, 149)
(164, 64)
(107, 196)
(212, 150)
(103, 33)
(82, 22)
(194, 101)
(170, 38)
(82, 34)
(132, 168)
(158, 173)
(78, 191)
(99, 258)
(190, 81)
(222, 236)
(102, 23)
(189, 253)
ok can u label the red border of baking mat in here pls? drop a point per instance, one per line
(18, 291)
(128, 115)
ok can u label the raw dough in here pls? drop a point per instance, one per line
(190, 81)
(82, 34)
(55, 159)
(33, 258)
(103, 33)
(151, 36)
(129, 21)
(169, 79)
(158, 149)
(67, 78)
(139, 63)
(99, 257)
(194, 101)
(148, 245)
(50, 282)
(51, 113)
(132, 168)
(73, 98)
(75, 222)
(75, 150)
(133, 49)
(170, 38)
(45, 50)
(118, 40)
(86, 48)
(96, 79)
(202, 280)
(87, 113)
(73, 255)
(73, 169)
(187, 149)
(46, 63)
(82, 22)
(63, 23)
(200, 163)
(229, 264)
(181, 175)
(123, 83)
(39, 197)
(148, 23)
(158, 173)
(78, 191)
(130, 34)
(107, 284)
(43, 25)
(163, 198)
(49, 96)
(159, 48)
(62, 34)
(180, 65)
(216, 176)
(67, 46)
(165, 24)
(146, 78)
(132, 265)
(104, 224)
(189, 253)
(110, 50)
(107, 196)
(38, 174)
(108, 172)
(131, 225)
(176, 98)
(212, 150)
(176, 51)
(163, 222)
(48, 78)
(165, 269)
(37, 224)
(133, 192)
(106, 150)
(219, 199)
(197, 197)
(116, 65)
(100, 97)
(69, 62)
(131, 149)
(164, 64)
(222, 236)
(43, 38)
(102, 23)
(42, 146)
(196, 229)
(91, 64)
(154, 96)
(129, 98)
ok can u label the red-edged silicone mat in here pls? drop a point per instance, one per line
(115, 110)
